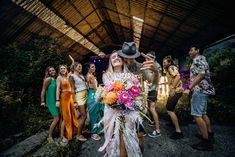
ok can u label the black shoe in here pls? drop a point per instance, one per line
(177, 135)
(199, 136)
(203, 145)
(210, 136)
(170, 124)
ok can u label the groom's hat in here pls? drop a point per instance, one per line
(129, 50)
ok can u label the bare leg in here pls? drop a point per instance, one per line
(123, 152)
(141, 141)
(208, 123)
(52, 126)
(62, 129)
(174, 120)
(81, 121)
(155, 115)
(202, 126)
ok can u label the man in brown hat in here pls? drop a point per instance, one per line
(129, 52)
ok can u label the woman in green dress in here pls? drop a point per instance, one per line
(49, 91)
(94, 108)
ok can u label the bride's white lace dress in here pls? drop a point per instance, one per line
(113, 119)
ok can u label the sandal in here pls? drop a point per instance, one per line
(86, 131)
(50, 140)
(81, 138)
(96, 137)
(64, 141)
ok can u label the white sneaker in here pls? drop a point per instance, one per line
(154, 134)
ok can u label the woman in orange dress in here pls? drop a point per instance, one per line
(64, 100)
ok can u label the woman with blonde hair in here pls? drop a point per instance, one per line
(119, 127)
(79, 90)
(49, 90)
(64, 100)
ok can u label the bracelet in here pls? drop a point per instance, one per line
(57, 100)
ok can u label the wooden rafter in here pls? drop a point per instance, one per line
(105, 15)
(180, 24)
(159, 23)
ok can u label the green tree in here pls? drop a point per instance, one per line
(22, 71)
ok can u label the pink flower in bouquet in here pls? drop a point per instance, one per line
(124, 97)
(109, 87)
(130, 105)
(134, 91)
(135, 81)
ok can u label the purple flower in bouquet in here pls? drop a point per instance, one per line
(134, 91)
(124, 97)
(130, 105)
(186, 86)
(109, 86)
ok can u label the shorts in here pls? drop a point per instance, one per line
(199, 104)
(172, 101)
(81, 97)
(152, 95)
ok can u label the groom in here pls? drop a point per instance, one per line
(129, 52)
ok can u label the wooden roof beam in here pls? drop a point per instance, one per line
(120, 21)
(180, 24)
(159, 23)
(96, 9)
(58, 22)
(85, 20)
(105, 15)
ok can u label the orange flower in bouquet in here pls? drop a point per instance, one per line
(110, 97)
(117, 86)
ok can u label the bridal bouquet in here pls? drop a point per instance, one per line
(121, 94)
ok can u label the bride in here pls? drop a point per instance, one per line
(120, 126)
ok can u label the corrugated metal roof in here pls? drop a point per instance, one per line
(169, 27)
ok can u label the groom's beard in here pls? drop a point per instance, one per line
(132, 67)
